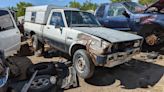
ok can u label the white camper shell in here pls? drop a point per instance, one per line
(40, 14)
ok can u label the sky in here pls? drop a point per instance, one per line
(9, 3)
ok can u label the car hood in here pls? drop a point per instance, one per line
(108, 34)
(159, 4)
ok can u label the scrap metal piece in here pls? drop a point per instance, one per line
(71, 80)
(4, 79)
(153, 55)
(27, 85)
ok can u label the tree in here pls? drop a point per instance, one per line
(74, 4)
(21, 8)
(89, 6)
(146, 2)
(119, 0)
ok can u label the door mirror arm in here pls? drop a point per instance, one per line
(127, 15)
(59, 27)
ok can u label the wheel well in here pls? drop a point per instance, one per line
(146, 29)
(76, 47)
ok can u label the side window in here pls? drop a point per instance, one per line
(6, 21)
(116, 10)
(100, 11)
(56, 19)
(33, 16)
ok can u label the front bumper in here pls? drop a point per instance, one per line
(116, 58)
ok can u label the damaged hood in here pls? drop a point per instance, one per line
(108, 34)
(159, 4)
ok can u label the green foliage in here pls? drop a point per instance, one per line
(12, 8)
(85, 6)
(114, 1)
(74, 4)
(146, 2)
(21, 8)
(89, 6)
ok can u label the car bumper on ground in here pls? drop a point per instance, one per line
(116, 58)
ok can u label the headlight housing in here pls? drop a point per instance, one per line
(101, 46)
(137, 43)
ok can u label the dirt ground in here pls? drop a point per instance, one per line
(138, 75)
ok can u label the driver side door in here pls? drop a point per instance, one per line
(116, 18)
(54, 32)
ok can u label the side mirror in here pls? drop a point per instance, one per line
(126, 14)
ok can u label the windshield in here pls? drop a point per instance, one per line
(6, 22)
(81, 19)
(134, 7)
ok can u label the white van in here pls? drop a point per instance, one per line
(10, 37)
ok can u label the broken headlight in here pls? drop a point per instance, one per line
(137, 43)
(105, 44)
(101, 46)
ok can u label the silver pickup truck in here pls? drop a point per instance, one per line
(10, 38)
(79, 34)
(10, 41)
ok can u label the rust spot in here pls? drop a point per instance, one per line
(151, 39)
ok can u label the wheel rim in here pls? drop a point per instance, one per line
(151, 39)
(40, 83)
(80, 64)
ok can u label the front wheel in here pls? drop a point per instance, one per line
(83, 64)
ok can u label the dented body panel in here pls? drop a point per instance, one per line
(100, 43)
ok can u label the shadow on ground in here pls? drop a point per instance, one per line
(136, 74)
(55, 53)
(158, 48)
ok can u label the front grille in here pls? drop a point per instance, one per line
(122, 46)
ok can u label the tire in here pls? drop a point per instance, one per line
(41, 84)
(83, 64)
(37, 46)
(45, 68)
(151, 35)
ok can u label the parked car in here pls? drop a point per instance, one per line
(80, 35)
(9, 44)
(10, 37)
(131, 16)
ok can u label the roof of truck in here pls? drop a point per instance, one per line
(47, 7)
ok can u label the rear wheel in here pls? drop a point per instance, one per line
(83, 64)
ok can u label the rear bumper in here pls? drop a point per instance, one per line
(116, 58)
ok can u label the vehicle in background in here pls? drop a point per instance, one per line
(10, 41)
(80, 35)
(10, 38)
(131, 16)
